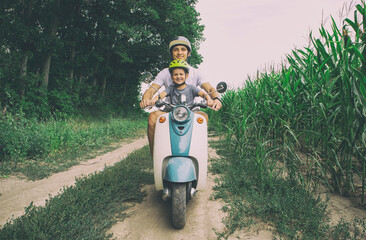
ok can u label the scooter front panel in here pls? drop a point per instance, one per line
(194, 148)
(198, 150)
(162, 149)
(180, 137)
(179, 170)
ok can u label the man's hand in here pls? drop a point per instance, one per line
(147, 98)
(147, 102)
(210, 102)
(216, 105)
(213, 94)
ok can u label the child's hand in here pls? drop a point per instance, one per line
(210, 102)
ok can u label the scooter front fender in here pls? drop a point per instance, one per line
(180, 170)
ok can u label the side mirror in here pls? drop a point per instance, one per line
(146, 77)
(221, 87)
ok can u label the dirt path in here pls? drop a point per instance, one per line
(16, 194)
(151, 218)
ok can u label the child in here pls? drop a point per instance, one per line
(179, 73)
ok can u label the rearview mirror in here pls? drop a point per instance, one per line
(221, 87)
(146, 77)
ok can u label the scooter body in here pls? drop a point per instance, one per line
(180, 158)
(180, 151)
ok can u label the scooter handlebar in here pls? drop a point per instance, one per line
(198, 104)
(169, 107)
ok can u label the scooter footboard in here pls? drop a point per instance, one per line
(180, 170)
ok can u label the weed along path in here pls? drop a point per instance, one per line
(16, 194)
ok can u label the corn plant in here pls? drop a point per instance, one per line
(314, 107)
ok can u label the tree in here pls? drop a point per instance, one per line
(98, 49)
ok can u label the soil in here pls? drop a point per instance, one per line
(16, 194)
(151, 218)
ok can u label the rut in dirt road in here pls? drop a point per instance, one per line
(151, 219)
(16, 194)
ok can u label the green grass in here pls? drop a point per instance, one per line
(283, 203)
(295, 130)
(37, 149)
(88, 209)
(315, 105)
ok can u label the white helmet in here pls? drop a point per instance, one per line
(180, 40)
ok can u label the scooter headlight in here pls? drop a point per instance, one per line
(180, 114)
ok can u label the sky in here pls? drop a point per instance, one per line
(246, 36)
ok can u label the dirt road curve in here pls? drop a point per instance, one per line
(148, 220)
(17, 194)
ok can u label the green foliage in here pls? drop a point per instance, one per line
(88, 209)
(65, 56)
(293, 211)
(347, 230)
(39, 148)
(296, 129)
(311, 115)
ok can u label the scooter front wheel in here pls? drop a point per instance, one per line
(179, 205)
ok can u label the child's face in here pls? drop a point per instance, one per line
(179, 76)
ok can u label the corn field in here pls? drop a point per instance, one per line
(307, 119)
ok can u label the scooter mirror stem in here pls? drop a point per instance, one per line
(156, 91)
(146, 77)
(220, 88)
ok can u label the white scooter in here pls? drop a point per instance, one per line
(180, 154)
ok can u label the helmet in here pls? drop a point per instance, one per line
(180, 41)
(179, 64)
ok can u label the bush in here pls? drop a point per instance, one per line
(52, 144)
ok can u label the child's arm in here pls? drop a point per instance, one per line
(207, 97)
(163, 94)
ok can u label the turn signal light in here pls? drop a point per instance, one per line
(162, 119)
(200, 120)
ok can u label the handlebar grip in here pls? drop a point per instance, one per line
(159, 103)
(202, 105)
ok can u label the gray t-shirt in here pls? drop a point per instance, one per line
(195, 78)
(190, 91)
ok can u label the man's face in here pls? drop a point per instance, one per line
(179, 76)
(180, 52)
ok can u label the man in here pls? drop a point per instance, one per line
(180, 48)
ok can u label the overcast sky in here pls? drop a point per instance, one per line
(243, 36)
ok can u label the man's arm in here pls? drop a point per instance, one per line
(148, 95)
(213, 94)
(162, 95)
